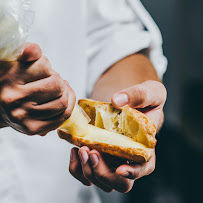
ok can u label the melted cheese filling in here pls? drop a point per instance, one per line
(78, 125)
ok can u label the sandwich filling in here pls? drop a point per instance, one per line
(104, 124)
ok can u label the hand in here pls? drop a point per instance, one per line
(148, 97)
(91, 167)
(33, 98)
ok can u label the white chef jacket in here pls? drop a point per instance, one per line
(81, 39)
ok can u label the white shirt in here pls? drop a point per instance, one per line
(81, 39)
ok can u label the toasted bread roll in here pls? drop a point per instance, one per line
(125, 133)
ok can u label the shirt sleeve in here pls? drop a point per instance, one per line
(116, 29)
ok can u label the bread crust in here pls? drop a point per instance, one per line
(145, 123)
(137, 155)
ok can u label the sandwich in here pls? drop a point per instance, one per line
(125, 133)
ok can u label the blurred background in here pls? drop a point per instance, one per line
(178, 174)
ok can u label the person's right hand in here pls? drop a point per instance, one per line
(34, 99)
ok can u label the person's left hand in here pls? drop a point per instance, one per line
(111, 173)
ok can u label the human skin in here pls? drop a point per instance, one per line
(34, 99)
(132, 81)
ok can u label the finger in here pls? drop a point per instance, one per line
(114, 161)
(45, 90)
(135, 171)
(55, 122)
(50, 109)
(54, 107)
(34, 71)
(87, 170)
(32, 52)
(34, 126)
(39, 127)
(156, 117)
(149, 93)
(106, 175)
(23, 73)
(71, 97)
(75, 168)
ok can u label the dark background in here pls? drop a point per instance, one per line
(178, 175)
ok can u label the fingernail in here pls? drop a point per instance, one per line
(73, 155)
(126, 174)
(83, 157)
(94, 159)
(121, 99)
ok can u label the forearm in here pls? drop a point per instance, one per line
(130, 71)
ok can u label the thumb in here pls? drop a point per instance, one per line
(147, 94)
(32, 52)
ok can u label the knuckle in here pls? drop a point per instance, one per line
(142, 94)
(74, 99)
(55, 74)
(46, 70)
(152, 168)
(86, 183)
(71, 170)
(57, 82)
(74, 171)
(160, 86)
(164, 92)
(108, 190)
(72, 96)
(44, 63)
(18, 114)
(66, 114)
(32, 129)
(101, 175)
(126, 190)
(44, 66)
(135, 175)
(47, 66)
(64, 102)
(8, 97)
(126, 187)
(88, 174)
